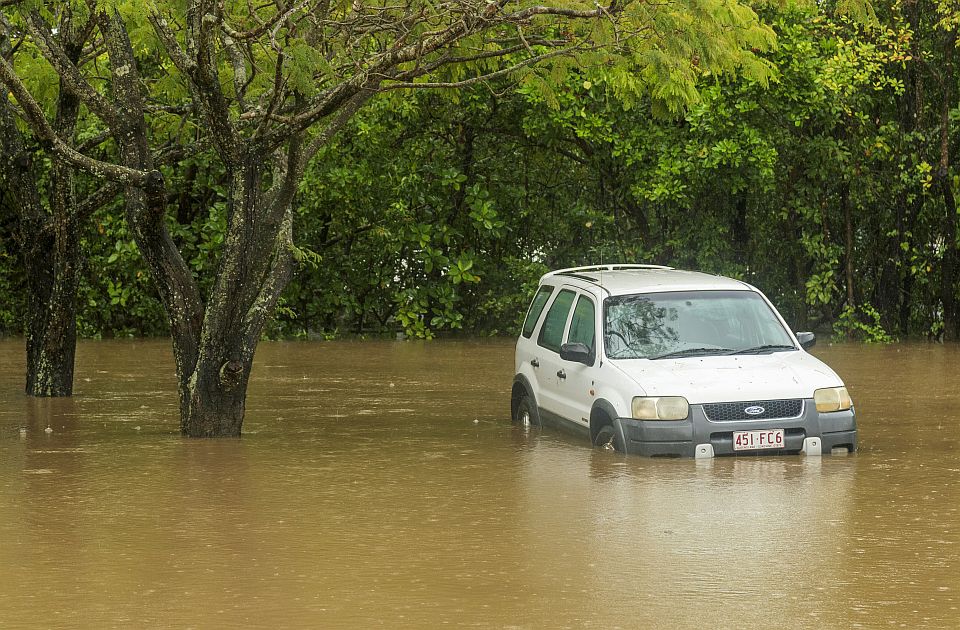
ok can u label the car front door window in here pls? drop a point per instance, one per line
(551, 333)
(583, 325)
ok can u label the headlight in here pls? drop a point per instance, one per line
(832, 399)
(662, 408)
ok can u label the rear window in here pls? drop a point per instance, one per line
(536, 307)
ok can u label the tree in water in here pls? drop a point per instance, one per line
(48, 234)
(270, 85)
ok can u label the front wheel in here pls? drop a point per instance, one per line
(527, 415)
(608, 439)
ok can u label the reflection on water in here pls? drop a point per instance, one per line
(381, 484)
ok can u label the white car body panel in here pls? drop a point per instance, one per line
(792, 374)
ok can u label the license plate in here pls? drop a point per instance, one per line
(755, 440)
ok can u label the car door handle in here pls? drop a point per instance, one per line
(534, 363)
(561, 374)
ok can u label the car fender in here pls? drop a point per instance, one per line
(521, 387)
(617, 389)
(602, 413)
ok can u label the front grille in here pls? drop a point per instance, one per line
(736, 411)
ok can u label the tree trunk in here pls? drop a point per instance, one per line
(49, 248)
(948, 271)
(216, 399)
(52, 262)
(146, 211)
(213, 345)
(910, 103)
(49, 241)
(51, 371)
(848, 241)
(255, 268)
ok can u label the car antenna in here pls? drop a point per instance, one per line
(601, 265)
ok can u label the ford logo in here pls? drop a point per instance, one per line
(755, 410)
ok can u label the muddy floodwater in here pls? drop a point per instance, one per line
(382, 484)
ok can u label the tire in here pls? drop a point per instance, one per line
(608, 439)
(527, 414)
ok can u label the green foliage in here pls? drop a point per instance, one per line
(116, 296)
(861, 324)
(726, 138)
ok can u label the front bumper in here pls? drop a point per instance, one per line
(681, 438)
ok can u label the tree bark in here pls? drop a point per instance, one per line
(213, 344)
(49, 239)
(52, 324)
(51, 374)
(255, 268)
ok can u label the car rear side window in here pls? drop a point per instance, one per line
(536, 307)
(551, 333)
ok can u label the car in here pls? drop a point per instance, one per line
(656, 361)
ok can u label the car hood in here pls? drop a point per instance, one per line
(772, 376)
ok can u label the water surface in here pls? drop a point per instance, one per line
(382, 484)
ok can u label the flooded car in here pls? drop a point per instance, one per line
(662, 362)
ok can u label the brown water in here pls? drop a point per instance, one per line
(382, 484)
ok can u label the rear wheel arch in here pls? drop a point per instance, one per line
(521, 388)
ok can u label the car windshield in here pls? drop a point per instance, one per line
(691, 323)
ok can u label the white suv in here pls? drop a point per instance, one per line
(656, 361)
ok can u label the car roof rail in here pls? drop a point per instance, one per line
(570, 271)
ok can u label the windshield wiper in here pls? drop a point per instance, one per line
(771, 347)
(692, 352)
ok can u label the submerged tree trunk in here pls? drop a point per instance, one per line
(49, 239)
(146, 208)
(51, 373)
(255, 268)
(213, 343)
(51, 327)
(49, 249)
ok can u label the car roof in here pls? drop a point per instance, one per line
(627, 279)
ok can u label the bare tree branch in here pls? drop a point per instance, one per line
(276, 95)
(480, 78)
(239, 70)
(109, 190)
(96, 200)
(381, 66)
(253, 33)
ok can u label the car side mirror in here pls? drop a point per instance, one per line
(577, 352)
(807, 340)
